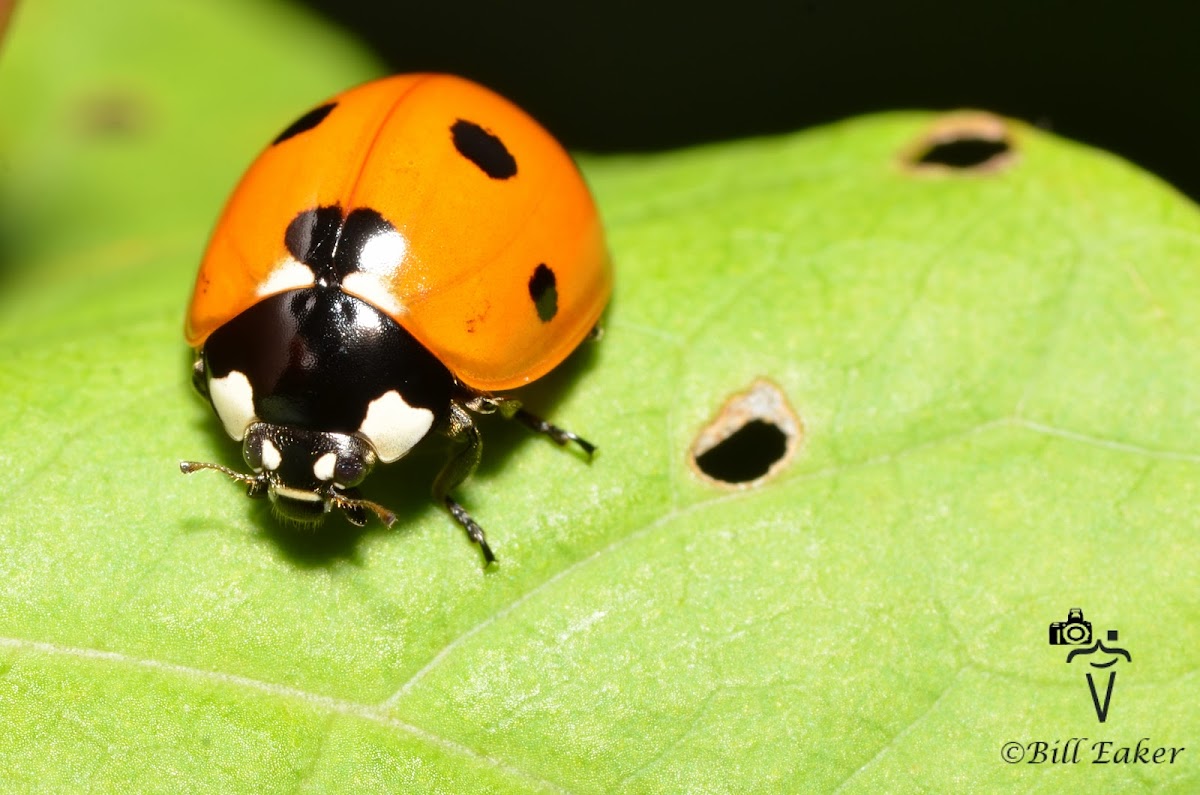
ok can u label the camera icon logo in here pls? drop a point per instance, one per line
(1072, 632)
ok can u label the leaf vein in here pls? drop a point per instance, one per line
(904, 731)
(316, 701)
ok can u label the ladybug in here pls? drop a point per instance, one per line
(398, 256)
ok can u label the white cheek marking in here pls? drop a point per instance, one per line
(374, 290)
(233, 398)
(323, 467)
(394, 427)
(289, 274)
(270, 455)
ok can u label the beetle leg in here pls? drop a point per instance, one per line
(560, 435)
(461, 429)
(510, 408)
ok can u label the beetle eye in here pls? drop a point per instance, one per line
(350, 470)
(253, 455)
(252, 450)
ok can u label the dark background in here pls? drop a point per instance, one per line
(622, 77)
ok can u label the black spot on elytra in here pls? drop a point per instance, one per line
(331, 246)
(312, 238)
(305, 123)
(483, 149)
(543, 289)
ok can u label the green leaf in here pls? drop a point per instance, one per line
(994, 370)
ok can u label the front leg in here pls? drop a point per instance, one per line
(462, 431)
(460, 428)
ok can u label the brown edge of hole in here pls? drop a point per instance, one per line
(962, 142)
(763, 402)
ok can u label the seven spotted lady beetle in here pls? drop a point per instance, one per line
(394, 259)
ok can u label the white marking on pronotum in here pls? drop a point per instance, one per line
(289, 274)
(323, 467)
(374, 290)
(393, 426)
(295, 494)
(233, 398)
(270, 455)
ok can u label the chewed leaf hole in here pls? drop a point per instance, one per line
(977, 142)
(746, 455)
(963, 153)
(754, 435)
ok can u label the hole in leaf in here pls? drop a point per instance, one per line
(754, 436)
(963, 153)
(746, 455)
(977, 142)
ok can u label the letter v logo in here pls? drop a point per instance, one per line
(1102, 711)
